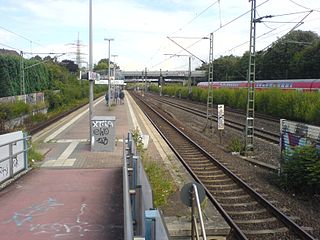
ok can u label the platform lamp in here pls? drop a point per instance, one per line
(109, 80)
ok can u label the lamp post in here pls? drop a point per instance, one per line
(109, 80)
(90, 69)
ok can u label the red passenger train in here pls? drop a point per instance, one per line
(292, 84)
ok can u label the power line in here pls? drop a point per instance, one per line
(213, 32)
(303, 6)
(23, 37)
(292, 29)
(190, 21)
(202, 12)
(240, 16)
(7, 46)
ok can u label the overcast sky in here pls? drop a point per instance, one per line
(141, 27)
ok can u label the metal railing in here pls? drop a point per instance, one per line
(196, 205)
(141, 220)
(15, 152)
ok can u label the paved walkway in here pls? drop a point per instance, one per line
(76, 193)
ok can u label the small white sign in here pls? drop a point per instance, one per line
(93, 76)
(220, 117)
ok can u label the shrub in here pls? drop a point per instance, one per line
(235, 145)
(13, 110)
(301, 173)
(159, 178)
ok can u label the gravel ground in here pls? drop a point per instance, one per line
(305, 210)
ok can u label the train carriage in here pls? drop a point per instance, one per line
(292, 84)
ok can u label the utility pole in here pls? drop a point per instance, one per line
(249, 135)
(161, 80)
(210, 90)
(90, 69)
(189, 78)
(22, 83)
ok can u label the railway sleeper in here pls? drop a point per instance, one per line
(205, 175)
(267, 231)
(210, 181)
(208, 172)
(252, 212)
(208, 168)
(245, 204)
(252, 221)
(204, 162)
(231, 185)
(233, 197)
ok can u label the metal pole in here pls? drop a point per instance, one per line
(22, 86)
(109, 80)
(114, 65)
(251, 81)
(145, 80)
(160, 83)
(90, 68)
(189, 80)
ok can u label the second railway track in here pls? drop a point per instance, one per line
(248, 213)
(269, 136)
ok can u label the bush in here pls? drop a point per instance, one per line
(235, 145)
(13, 110)
(301, 173)
(293, 105)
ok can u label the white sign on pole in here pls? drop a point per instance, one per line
(220, 117)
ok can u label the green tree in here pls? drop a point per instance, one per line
(102, 65)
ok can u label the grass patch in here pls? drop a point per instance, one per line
(161, 182)
(34, 156)
(235, 145)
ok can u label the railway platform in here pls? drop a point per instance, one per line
(76, 193)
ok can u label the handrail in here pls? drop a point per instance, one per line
(140, 217)
(15, 160)
(195, 197)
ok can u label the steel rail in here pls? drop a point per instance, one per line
(263, 134)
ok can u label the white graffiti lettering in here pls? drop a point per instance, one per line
(59, 230)
(102, 123)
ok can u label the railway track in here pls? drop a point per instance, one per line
(247, 212)
(261, 133)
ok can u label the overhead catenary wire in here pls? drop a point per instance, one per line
(23, 37)
(221, 27)
(303, 6)
(7, 46)
(198, 15)
(292, 29)
(181, 28)
(259, 19)
(264, 34)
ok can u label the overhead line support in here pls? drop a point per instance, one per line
(249, 131)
